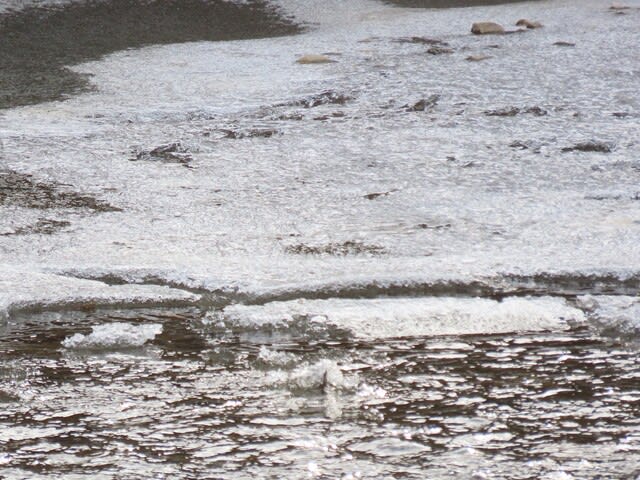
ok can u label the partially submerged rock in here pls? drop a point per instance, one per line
(523, 22)
(424, 104)
(350, 247)
(591, 146)
(564, 44)
(328, 97)
(168, 153)
(251, 133)
(373, 196)
(428, 226)
(528, 145)
(513, 111)
(314, 59)
(423, 41)
(328, 117)
(439, 50)
(487, 28)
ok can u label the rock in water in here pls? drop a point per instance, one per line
(591, 146)
(564, 44)
(314, 59)
(486, 28)
(528, 24)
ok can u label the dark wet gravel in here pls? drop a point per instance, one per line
(38, 43)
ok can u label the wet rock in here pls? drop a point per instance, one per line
(423, 41)
(477, 58)
(523, 22)
(251, 133)
(591, 146)
(487, 28)
(424, 104)
(314, 59)
(535, 147)
(327, 117)
(373, 196)
(519, 145)
(168, 153)
(513, 111)
(537, 111)
(427, 226)
(290, 116)
(438, 50)
(328, 97)
(621, 114)
(564, 44)
(22, 190)
(504, 112)
(350, 247)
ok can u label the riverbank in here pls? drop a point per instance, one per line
(40, 42)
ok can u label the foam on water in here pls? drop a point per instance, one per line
(114, 335)
(404, 317)
(324, 374)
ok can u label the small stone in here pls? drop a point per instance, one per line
(519, 145)
(528, 24)
(477, 58)
(424, 104)
(486, 28)
(503, 112)
(423, 41)
(437, 50)
(537, 111)
(564, 44)
(373, 196)
(314, 59)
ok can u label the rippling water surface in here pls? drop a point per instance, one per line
(84, 396)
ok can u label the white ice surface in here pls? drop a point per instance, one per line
(404, 317)
(24, 289)
(227, 222)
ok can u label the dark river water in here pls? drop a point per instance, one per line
(297, 401)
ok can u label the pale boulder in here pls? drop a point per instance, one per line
(314, 59)
(477, 58)
(486, 28)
